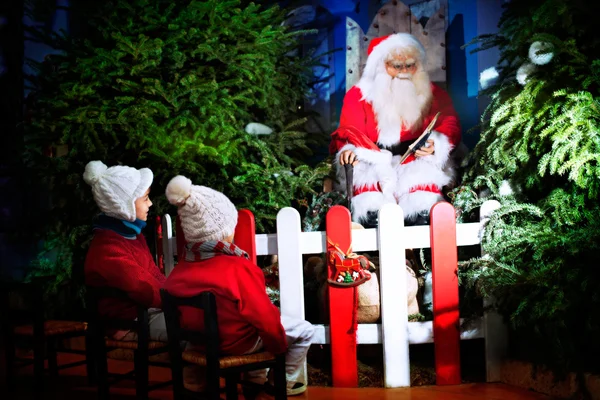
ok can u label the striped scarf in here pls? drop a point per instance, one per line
(201, 251)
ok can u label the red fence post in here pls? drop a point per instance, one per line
(446, 322)
(245, 233)
(341, 306)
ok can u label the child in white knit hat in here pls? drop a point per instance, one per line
(248, 321)
(118, 256)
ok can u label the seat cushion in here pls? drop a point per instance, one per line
(199, 358)
(133, 344)
(53, 328)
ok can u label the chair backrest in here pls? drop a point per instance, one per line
(204, 301)
(93, 297)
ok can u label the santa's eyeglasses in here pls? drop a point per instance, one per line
(399, 66)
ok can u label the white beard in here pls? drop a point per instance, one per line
(399, 104)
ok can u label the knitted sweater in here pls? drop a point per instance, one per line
(126, 264)
(244, 310)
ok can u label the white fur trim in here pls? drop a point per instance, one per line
(375, 61)
(373, 156)
(366, 155)
(429, 170)
(368, 201)
(416, 202)
(373, 167)
(420, 173)
(442, 150)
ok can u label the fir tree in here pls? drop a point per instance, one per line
(168, 85)
(539, 155)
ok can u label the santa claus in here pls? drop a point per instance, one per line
(381, 117)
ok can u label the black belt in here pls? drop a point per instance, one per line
(398, 149)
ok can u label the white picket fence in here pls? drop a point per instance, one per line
(391, 238)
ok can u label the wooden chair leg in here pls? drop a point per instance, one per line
(141, 373)
(9, 358)
(177, 377)
(38, 363)
(52, 357)
(250, 392)
(212, 384)
(90, 359)
(231, 381)
(101, 368)
(280, 378)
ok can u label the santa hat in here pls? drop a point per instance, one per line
(381, 47)
(116, 189)
(204, 213)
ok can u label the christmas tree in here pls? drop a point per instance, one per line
(539, 155)
(170, 85)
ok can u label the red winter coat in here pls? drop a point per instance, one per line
(126, 264)
(244, 310)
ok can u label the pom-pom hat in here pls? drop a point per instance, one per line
(205, 214)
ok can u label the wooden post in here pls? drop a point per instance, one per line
(394, 310)
(245, 233)
(344, 365)
(291, 271)
(446, 322)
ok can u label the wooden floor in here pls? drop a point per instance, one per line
(72, 384)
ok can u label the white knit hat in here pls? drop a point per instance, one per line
(116, 189)
(205, 214)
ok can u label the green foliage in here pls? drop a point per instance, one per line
(542, 140)
(168, 85)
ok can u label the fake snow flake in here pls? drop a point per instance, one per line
(288, 173)
(524, 73)
(540, 53)
(505, 189)
(255, 128)
(487, 77)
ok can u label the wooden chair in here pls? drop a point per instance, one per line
(23, 320)
(143, 348)
(216, 364)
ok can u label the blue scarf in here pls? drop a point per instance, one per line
(127, 229)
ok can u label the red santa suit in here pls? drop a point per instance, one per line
(378, 143)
